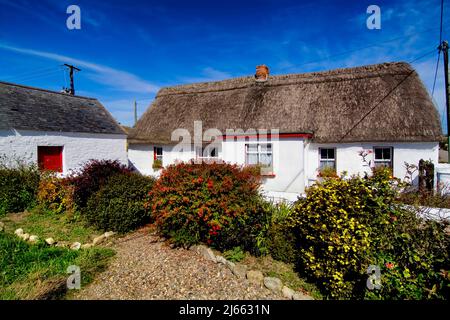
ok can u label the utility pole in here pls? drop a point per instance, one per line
(444, 48)
(72, 86)
(135, 112)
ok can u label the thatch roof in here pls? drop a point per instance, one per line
(29, 108)
(384, 102)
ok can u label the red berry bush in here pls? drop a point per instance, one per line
(217, 204)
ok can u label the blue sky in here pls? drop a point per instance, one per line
(127, 50)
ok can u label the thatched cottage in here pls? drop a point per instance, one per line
(57, 131)
(312, 121)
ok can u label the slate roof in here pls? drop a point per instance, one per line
(383, 102)
(28, 108)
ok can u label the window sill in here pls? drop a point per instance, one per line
(268, 175)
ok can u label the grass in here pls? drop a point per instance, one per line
(46, 224)
(285, 272)
(39, 271)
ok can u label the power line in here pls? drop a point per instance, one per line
(386, 96)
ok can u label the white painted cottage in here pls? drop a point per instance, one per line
(57, 131)
(294, 125)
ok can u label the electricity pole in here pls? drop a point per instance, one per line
(444, 48)
(135, 112)
(72, 86)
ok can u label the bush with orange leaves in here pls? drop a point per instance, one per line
(56, 194)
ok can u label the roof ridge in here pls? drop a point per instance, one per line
(44, 90)
(242, 82)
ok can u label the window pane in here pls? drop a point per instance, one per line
(252, 159)
(387, 153)
(266, 159)
(327, 164)
(266, 148)
(323, 154)
(252, 148)
(378, 154)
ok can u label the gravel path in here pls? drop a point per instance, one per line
(147, 269)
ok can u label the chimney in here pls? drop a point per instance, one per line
(262, 73)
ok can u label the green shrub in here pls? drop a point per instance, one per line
(89, 179)
(119, 204)
(234, 255)
(18, 187)
(280, 237)
(345, 225)
(218, 204)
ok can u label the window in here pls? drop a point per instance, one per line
(158, 153)
(327, 158)
(260, 154)
(383, 156)
(50, 158)
(207, 152)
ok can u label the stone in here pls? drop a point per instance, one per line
(205, 252)
(24, 236)
(301, 296)
(18, 232)
(230, 264)
(255, 277)
(240, 271)
(109, 234)
(50, 241)
(2, 226)
(220, 259)
(75, 246)
(87, 246)
(98, 240)
(273, 284)
(288, 292)
(33, 239)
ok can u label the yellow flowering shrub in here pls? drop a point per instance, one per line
(343, 226)
(55, 194)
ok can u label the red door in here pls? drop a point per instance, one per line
(50, 158)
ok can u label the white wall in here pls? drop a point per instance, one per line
(78, 148)
(287, 162)
(295, 160)
(349, 160)
(141, 157)
(288, 159)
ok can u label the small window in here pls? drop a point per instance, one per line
(259, 154)
(383, 156)
(207, 152)
(327, 158)
(50, 158)
(158, 153)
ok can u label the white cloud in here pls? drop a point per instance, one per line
(116, 79)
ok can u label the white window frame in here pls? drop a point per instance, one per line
(327, 160)
(379, 162)
(258, 152)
